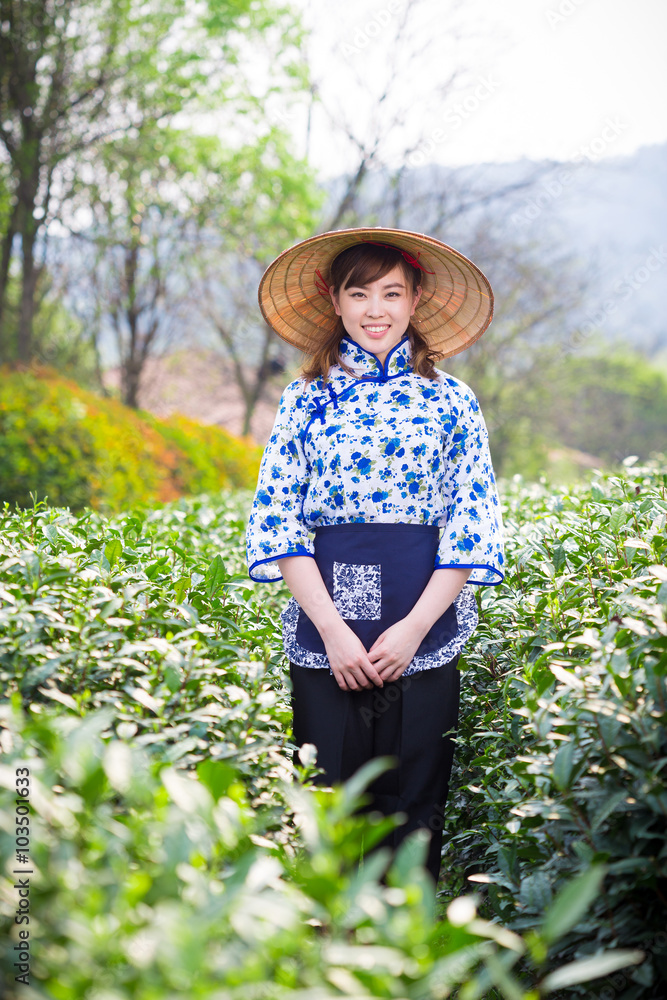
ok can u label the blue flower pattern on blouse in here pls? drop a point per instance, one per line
(381, 445)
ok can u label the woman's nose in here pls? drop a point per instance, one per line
(375, 307)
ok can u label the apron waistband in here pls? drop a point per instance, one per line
(376, 527)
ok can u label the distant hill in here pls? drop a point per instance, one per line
(610, 213)
(614, 212)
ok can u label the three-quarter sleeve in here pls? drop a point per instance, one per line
(276, 527)
(472, 535)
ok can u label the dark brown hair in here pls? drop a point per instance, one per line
(360, 265)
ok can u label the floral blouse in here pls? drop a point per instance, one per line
(384, 445)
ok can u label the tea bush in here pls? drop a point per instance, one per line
(65, 443)
(139, 612)
(148, 881)
(563, 744)
(173, 852)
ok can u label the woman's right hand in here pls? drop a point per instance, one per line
(349, 660)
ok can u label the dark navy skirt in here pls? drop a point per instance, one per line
(375, 574)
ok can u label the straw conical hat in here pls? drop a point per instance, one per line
(455, 308)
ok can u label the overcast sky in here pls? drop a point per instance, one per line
(539, 78)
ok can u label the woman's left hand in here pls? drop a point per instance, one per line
(392, 652)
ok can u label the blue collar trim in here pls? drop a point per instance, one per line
(397, 362)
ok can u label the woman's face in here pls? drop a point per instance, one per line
(377, 315)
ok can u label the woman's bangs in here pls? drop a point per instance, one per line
(361, 265)
(366, 271)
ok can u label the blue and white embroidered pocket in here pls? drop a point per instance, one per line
(357, 591)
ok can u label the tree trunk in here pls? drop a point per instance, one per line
(252, 397)
(131, 368)
(28, 287)
(131, 382)
(28, 227)
(5, 260)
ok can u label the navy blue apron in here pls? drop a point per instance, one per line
(375, 574)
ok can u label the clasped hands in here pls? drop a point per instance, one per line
(392, 652)
(355, 668)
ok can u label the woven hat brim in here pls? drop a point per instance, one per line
(455, 308)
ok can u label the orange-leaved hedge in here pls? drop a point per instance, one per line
(63, 443)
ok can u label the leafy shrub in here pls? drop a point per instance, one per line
(209, 458)
(141, 613)
(610, 405)
(150, 882)
(172, 853)
(60, 441)
(44, 446)
(563, 747)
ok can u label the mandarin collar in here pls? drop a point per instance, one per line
(364, 363)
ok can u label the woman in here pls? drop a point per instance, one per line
(376, 503)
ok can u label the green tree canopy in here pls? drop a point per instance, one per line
(612, 405)
(76, 74)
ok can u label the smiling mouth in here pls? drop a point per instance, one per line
(376, 329)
